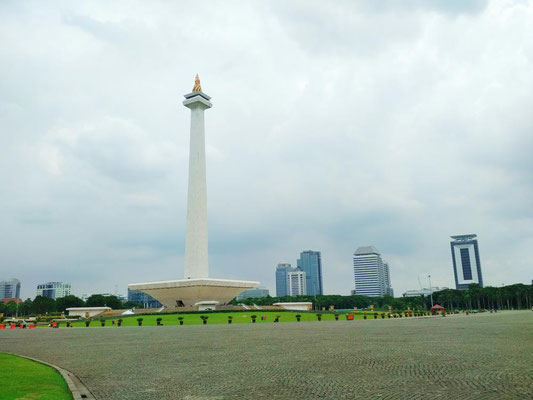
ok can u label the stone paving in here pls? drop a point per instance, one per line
(484, 356)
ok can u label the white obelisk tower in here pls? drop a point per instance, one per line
(196, 289)
(196, 260)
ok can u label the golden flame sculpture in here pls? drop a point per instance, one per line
(197, 87)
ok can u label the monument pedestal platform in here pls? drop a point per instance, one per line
(188, 292)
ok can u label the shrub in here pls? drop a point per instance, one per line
(319, 317)
(158, 321)
(277, 318)
(230, 318)
(140, 321)
(119, 322)
(87, 322)
(298, 316)
(180, 319)
(253, 318)
(204, 319)
(336, 316)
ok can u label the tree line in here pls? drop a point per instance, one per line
(509, 297)
(43, 305)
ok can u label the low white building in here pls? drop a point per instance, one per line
(423, 291)
(87, 312)
(296, 306)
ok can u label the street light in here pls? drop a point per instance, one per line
(430, 290)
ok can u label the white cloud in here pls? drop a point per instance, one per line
(333, 127)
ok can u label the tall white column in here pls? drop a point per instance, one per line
(196, 260)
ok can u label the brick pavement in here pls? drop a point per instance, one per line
(487, 356)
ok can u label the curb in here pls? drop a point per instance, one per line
(78, 390)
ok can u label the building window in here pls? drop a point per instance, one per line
(465, 261)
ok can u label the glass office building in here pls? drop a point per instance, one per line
(53, 290)
(10, 289)
(311, 263)
(466, 263)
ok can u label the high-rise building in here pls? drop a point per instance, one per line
(296, 282)
(466, 264)
(290, 281)
(146, 300)
(253, 293)
(388, 288)
(281, 279)
(53, 290)
(10, 289)
(311, 263)
(372, 276)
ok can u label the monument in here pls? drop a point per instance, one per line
(196, 289)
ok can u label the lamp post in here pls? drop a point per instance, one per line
(430, 290)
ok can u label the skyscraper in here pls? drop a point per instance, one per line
(311, 263)
(296, 282)
(372, 276)
(53, 290)
(281, 279)
(10, 289)
(466, 264)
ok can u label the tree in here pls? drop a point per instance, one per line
(132, 304)
(43, 305)
(97, 300)
(25, 308)
(68, 301)
(10, 309)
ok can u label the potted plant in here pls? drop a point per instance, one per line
(382, 315)
(102, 322)
(119, 322)
(68, 324)
(230, 318)
(87, 322)
(158, 321)
(277, 318)
(319, 317)
(298, 316)
(180, 319)
(204, 319)
(253, 318)
(140, 321)
(375, 315)
(364, 315)
(336, 316)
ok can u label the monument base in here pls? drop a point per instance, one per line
(188, 292)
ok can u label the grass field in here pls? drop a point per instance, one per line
(222, 318)
(21, 378)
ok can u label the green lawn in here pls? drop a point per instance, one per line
(24, 379)
(221, 318)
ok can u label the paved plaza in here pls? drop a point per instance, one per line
(484, 356)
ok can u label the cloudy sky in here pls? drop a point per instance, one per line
(338, 125)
